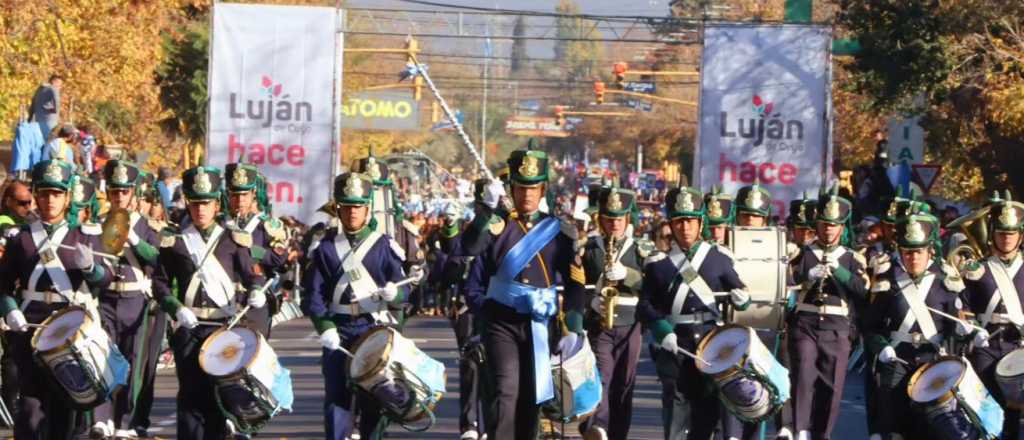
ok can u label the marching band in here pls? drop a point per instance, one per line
(746, 321)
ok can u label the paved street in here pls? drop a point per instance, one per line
(299, 351)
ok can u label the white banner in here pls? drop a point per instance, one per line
(273, 78)
(765, 107)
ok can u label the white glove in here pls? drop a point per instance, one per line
(832, 264)
(739, 297)
(493, 193)
(257, 299)
(417, 273)
(818, 273)
(330, 339)
(16, 321)
(981, 338)
(186, 318)
(963, 329)
(567, 343)
(887, 355)
(389, 292)
(616, 273)
(670, 343)
(82, 259)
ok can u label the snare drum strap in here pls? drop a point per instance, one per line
(209, 272)
(914, 295)
(355, 273)
(689, 279)
(133, 261)
(49, 262)
(1005, 290)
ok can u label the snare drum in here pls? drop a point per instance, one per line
(761, 262)
(752, 384)
(251, 385)
(402, 379)
(80, 356)
(1010, 378)
(577, 385)
(955, 401)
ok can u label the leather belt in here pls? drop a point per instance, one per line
(823, 310)
(352, 309)
(209, 313)
(693, 318)
(131, 286)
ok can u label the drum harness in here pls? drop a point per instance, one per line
(914, 295)
(209, 273)
(690, 280)
(1005, 291)
(50, 263)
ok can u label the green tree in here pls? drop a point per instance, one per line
(181, 78)
(578, 58)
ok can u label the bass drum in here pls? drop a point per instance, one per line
(761, 262)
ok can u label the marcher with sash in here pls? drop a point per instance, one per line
(720, 215)
(48, 266)
(679, 306)
(269, 239)
(993, 294)
(350, 282)
(833, 287)
(216, 278)
(124, 304)
(905, 333)
(522, 260)
(801, 223)
(613, 260)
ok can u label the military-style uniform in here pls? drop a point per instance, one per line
(617, 348)
(84, 206)
(993, 294)
(216, 277)
(833, 285)
(347, 273)
(902, 327)
(125, 303)
(38, 276)
(678, 305)
(522, 260)
(269, 239)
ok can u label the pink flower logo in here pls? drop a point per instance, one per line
(761, 107)
(272, 90)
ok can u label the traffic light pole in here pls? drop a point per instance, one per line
(652, 97)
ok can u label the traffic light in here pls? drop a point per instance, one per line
(599, 91)
(412, 47)
(619, 70)
(559, 115)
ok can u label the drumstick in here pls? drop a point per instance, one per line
(954, 318)
(238, 317)
(345, 352)
(683, 351)
(98, 253)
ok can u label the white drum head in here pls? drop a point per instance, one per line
(1011, 365)
(229, 351)
(936, 380)
(60, 329)
(371, 351)
(724, 350)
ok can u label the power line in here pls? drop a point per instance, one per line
(513, 37)
(511, 79)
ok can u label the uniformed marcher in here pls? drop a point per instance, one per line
(523, 259)
(833, 285)
(350, 281)
(801, 221)
(906, 334)
(269, 239)
(993, 294)
(753, 206)
(720, 215)
(216, 277)
(678, 305)
(84, 207)
(39, 276)
(125, 303)
(613, 260)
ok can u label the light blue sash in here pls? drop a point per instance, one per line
(540, 303)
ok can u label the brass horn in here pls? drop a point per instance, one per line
(975, 227)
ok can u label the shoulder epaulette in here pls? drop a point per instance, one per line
(91, 229)
(242, 238)
(881, 285)
(156, 225)
(654, 258)
(645, 248)
(859, 258)
(951, 278)
(168, 236)
(972, 270)
(496, 225)
(275, 229)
